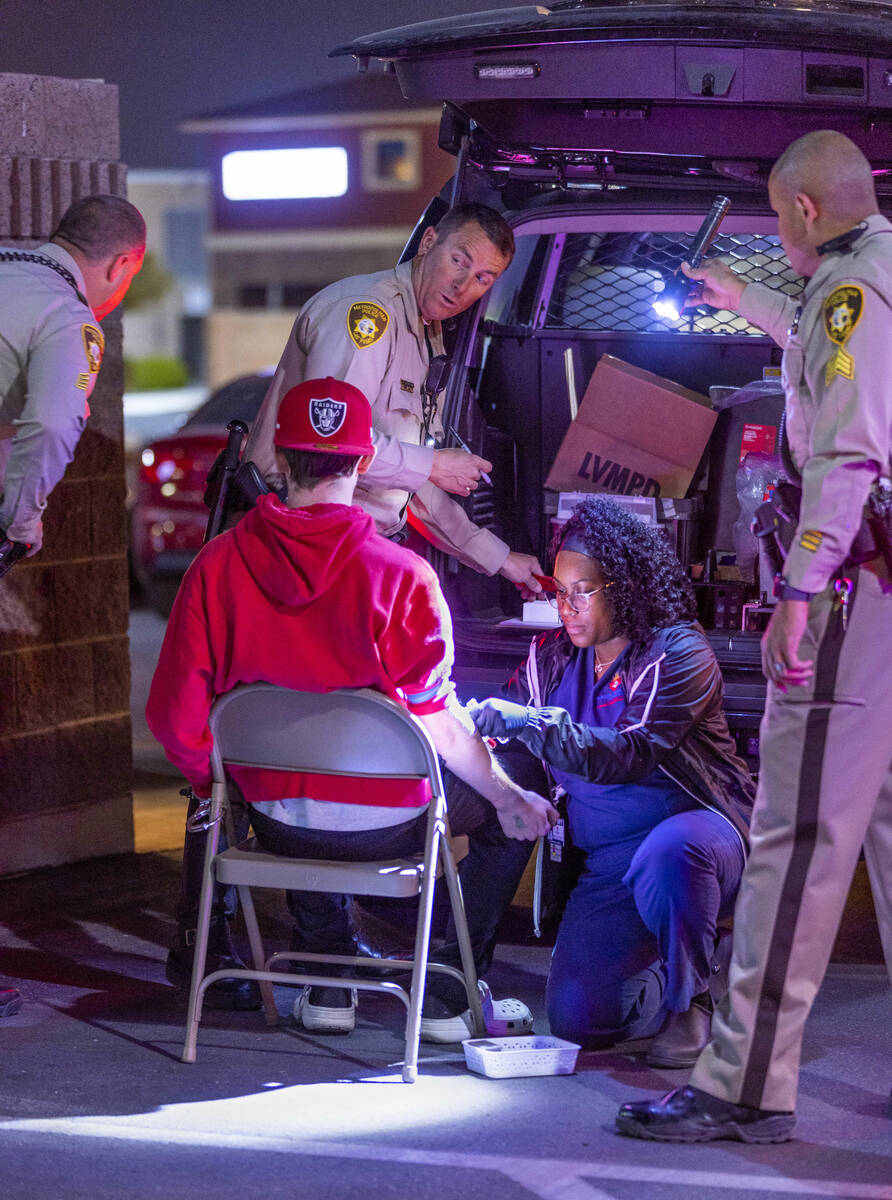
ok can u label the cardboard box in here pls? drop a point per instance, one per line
(635, 435)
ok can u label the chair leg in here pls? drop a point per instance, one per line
(199, 958)
(463, 937)
(433, 838)
(257, 952)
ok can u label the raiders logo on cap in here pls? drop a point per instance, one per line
(327, 415)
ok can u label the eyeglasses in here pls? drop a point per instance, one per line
(577, 602)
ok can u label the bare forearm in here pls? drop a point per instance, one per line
(465, 753)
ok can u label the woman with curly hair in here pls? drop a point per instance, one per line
(623, 704)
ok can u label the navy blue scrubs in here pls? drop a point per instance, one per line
(638, 934)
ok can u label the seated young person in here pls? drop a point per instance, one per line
(627, 716)
(305, 594)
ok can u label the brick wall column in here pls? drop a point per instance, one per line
(65, 749)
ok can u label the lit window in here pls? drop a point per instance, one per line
(285, 174)
(390, 160)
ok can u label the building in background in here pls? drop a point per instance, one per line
(307, 188)
(165, 318)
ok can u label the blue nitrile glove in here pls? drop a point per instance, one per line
(499, 718)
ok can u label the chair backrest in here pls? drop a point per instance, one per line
(352, 731)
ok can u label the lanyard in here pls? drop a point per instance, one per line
(428, 395)
(43, 261)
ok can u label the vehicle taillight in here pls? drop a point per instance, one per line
(175, 469)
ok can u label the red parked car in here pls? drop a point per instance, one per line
(169, 517)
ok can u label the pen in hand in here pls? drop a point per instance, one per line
(464, 446)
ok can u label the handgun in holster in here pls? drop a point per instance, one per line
(10, 552)
(775, 521)
(879, 517)
(232, 486)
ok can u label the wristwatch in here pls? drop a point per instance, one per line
(785, 591)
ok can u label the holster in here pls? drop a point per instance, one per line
(879, 518)
(776, 522)
(10, 553)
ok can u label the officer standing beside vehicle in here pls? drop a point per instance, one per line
(380, 332)
(51, 345)
(826, 740)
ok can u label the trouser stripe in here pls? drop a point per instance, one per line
(807, 809)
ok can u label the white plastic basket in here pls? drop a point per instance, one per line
(501, 1058)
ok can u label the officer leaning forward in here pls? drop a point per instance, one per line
(826, 740)
(51, 345)
(51, 302)
(380, 332)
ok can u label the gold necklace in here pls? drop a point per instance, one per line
(599, 666)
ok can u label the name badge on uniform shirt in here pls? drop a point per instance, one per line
(406, 385)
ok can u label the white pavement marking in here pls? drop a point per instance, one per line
(539, 1178)
(551, 1179)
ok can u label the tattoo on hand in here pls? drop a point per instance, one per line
(519, 822)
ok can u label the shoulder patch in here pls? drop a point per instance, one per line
(842, 312)
(366, 323)
(94, 347)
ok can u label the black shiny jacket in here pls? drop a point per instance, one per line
(673, 720)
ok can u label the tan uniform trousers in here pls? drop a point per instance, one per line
(825, 788)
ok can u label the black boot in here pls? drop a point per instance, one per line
(683, 1036)
(231, 994)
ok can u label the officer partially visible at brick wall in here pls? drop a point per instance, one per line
(51, 344)
(51, 300)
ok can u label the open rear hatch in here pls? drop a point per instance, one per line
(603, 131)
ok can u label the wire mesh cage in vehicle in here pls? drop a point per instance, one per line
(609, 281)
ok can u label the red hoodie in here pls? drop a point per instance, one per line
(307, 598)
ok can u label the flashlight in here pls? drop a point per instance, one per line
(679, 286)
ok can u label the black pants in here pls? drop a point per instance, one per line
(489, 873)
(225, 902)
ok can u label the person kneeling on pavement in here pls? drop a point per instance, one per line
(657, 801)
(303, 593)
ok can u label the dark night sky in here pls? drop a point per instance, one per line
(174, 58)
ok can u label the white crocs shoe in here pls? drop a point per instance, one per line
(326, 1009)
(503, 1018)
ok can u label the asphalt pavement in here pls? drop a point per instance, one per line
(95, 1103)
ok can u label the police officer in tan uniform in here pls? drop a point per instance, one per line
(379, 332)
(51, 345)
(826, 741)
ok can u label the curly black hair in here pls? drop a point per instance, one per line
(648, 586)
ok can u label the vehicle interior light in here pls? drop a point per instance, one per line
(293, 174)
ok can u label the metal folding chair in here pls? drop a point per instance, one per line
(348, 732)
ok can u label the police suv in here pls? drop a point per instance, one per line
(604, 132)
